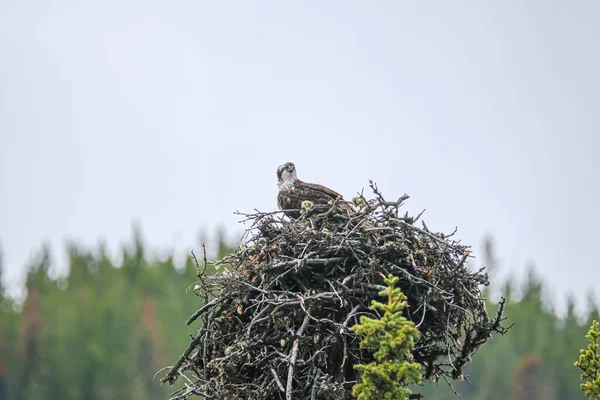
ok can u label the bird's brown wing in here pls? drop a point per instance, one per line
(291, 199)
(318, 188)
(287, 200)
(320, 194)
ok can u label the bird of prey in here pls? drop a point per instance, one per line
(293, 191)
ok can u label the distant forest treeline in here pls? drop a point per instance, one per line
(104, 331)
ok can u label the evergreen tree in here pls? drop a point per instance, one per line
(394, 338)
(589, 364)
(529, 379)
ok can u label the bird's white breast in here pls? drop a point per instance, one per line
(286, 184)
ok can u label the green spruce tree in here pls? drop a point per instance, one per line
(589, 364)
(394, 338)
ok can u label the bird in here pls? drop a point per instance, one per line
(293, 191)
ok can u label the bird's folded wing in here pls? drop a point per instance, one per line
(319, 188)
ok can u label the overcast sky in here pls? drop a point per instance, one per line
(178, 113)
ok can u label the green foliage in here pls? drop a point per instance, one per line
(394, 338)
(101, 332)
(589, 364)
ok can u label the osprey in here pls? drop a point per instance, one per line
(293, 191)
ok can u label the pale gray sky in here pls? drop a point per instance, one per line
(178, 113)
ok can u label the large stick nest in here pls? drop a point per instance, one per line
(275, 321)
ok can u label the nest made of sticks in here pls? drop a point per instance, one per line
(275, 322)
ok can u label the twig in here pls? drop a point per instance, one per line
(350, 315)
(279, 385)
(290, 378)
(173, 371)
(212, 303)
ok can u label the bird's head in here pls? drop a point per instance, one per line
(286, 174)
